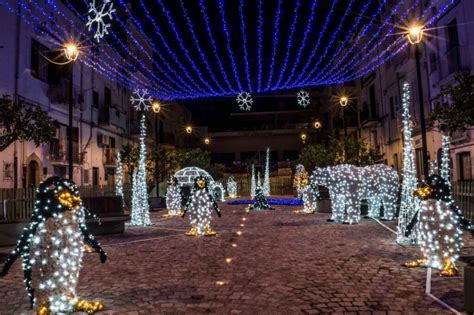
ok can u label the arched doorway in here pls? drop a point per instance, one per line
(33, 174)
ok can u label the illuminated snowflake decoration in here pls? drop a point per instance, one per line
(245, 101)
(303, 98)
(141, 100)
(97, 16)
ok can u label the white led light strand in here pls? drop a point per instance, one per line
(266, 178)
(98, 16)
(173, 197)
(409, 205)
(232, 187)
(140, 215)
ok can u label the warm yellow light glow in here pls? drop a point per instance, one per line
(156, 107)
(242, 225)
(303, 137)
(415, 34)
(239, 233)
(71, 51)
(220, 282)
(343, 101)
(228, 260)
(189, 129)
(207, 140)
(244, 219)
(317, 124)
(234, 245)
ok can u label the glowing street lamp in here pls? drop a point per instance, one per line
(343, 101)
(71, 51)
(317, 124)
(415, 34)
(415, 37)
(303, 137)
(156, 107)
(207, 141)
(189, 129)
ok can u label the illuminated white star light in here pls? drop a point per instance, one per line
(97, 16)
(141, 100)
(303, 98)
(245, 101)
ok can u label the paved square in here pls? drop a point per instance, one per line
(281, 262)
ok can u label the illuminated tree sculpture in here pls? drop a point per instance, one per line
(253, 185)
(51, 248)
(200, 207)
(173, 198)
(232, 187)
(445, 173)
(440, 237)
(261, 202)
(266, 179)
(140, 208)
(409, 204)
(119, 176)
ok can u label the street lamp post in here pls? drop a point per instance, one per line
(71, 52)
(156, 107)
(415, 36)
(344, 101)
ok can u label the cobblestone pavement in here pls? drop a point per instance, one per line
(281, 263)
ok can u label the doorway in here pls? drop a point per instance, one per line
(33, 174)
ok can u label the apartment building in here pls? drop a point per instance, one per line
(448, 47)
(103, 119)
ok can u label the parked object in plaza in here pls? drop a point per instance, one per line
(439, 232)
(52, 245)
(200, 207)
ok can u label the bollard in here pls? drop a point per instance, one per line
(469, 288)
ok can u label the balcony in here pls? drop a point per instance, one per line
(58, 153)
(369, 118)
(109, 157)
(111, 116)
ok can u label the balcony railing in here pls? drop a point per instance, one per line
(58, 152)
(109, 157)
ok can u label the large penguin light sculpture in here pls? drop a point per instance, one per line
(51, 248)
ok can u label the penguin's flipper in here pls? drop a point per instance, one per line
(89, 239)
(22, 246)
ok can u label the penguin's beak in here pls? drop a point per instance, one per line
(424, 192)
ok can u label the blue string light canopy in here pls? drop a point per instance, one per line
(183, 49)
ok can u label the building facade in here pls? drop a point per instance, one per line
(103, 119)
(447, 48)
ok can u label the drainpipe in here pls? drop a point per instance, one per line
(15, 90)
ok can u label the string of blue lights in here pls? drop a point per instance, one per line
(185, 50)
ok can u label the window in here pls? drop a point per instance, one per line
(452, 45)
(95, 99)
(39, 64)
(464, 166)
(392, 107)
(107, 97)
(395, 162)
(86, 176)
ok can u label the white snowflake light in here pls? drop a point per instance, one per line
(141, 100)
(245, 101)
(303, 98)
(97, 16)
